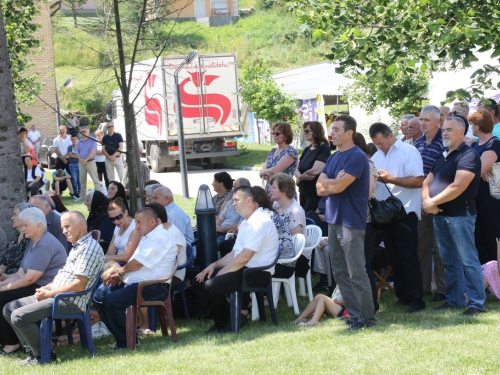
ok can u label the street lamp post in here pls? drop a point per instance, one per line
(65, 84)
(180, 125)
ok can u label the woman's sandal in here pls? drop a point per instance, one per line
(144, 331)
(245, 318)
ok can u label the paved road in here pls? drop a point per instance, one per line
(198, 177)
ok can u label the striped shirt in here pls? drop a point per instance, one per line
(47, 256)
(430, 153)
(85, 259)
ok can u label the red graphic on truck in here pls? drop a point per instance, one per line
(152, 109)
(213, 105)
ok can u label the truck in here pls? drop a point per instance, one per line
(210, 103)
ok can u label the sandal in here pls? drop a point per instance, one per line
(144, 331)
(245, 318)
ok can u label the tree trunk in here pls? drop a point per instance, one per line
(74, 12)
(129, 115)
(12, 189)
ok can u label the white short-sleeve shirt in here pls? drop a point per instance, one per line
(121, 241)
(62, 144)
(157, 253)
(179, 239)
(258, 234)
(402, 160)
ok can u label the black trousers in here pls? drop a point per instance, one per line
(215, 290)
(61, 165)
(370, 236)
(282, 271)
(309, 202)
(487, 228)
(226, 246)
(7, 334)
(401, 240)
(101, 172)
(35, 187)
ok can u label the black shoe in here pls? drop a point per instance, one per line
(244, 319)
(349, 322)
(401, 303)
(414, 308)
(3, 352)
(444, 306)
(439, 297)
(321, 287)
(359, 325)
(472, 311)
(214, 329)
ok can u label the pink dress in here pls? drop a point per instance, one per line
(490, 273)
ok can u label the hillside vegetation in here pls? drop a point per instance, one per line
(271, 36)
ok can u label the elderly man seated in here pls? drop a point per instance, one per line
(154, 259)
(83, 265)
(163, 195)
(256, 246)
(53, 220)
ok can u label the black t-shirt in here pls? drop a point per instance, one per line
(444, 171)
(112, 142)
(493, 144)
(307, 159)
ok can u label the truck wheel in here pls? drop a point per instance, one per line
(154, 158)
(219, 165)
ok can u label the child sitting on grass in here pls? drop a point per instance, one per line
(321, 304)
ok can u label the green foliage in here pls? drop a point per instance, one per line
(402, 40)
(264, 96)
(18, 16)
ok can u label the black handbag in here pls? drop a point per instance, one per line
(386, 212)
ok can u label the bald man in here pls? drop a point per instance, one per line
(154, 259)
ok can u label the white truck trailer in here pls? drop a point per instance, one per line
(210, 109)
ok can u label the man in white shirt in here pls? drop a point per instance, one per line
(61, 144)
(256, 246)
(154, 259)
(35, 137)
(400, 166)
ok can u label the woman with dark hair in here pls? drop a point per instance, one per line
(370, 232)
(487, 228)
(223, 186)
(125, 239)
(117, 190)
(311, 164)
(282, 158)
(372, 149)
(281, 271)
(98, 218)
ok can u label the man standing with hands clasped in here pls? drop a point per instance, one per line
(346, 181)
(449, 193)
(113, 145)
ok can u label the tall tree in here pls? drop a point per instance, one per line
(401, 40)
(74, 5)
(11, 177)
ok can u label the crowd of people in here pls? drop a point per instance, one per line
(440, 169)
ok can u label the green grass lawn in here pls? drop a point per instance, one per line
(251, 155)
(428, 342)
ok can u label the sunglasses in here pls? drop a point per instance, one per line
(116, 218)
(307, 131)
(112, 126)
(276, 134)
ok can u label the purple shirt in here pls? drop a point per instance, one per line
(84, 148)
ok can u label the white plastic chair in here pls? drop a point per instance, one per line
(299, 241)
(313, 235)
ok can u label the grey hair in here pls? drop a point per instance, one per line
(84, 128)
(460, 122)
(462, 105)
(76, 215)
(34, 216)
(243, 181)
(22, 206)
(433, 109)
(408, 116)
(43, 198)
(165, 191)
(151, 188)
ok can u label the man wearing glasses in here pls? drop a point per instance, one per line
(86, 151)
(113, 145)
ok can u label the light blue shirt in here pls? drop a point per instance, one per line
(496, 130)
(181, 220)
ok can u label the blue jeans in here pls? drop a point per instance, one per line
(111, 304)
(75, 178)
(455, 238)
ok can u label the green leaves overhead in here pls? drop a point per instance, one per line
(404, 40)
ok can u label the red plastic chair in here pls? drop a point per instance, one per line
(165, 305)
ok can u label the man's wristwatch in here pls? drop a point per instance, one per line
(119, 273)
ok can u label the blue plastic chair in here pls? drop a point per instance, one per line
(180, 288)
(82, 319)
(236, 297)
(310, 221)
